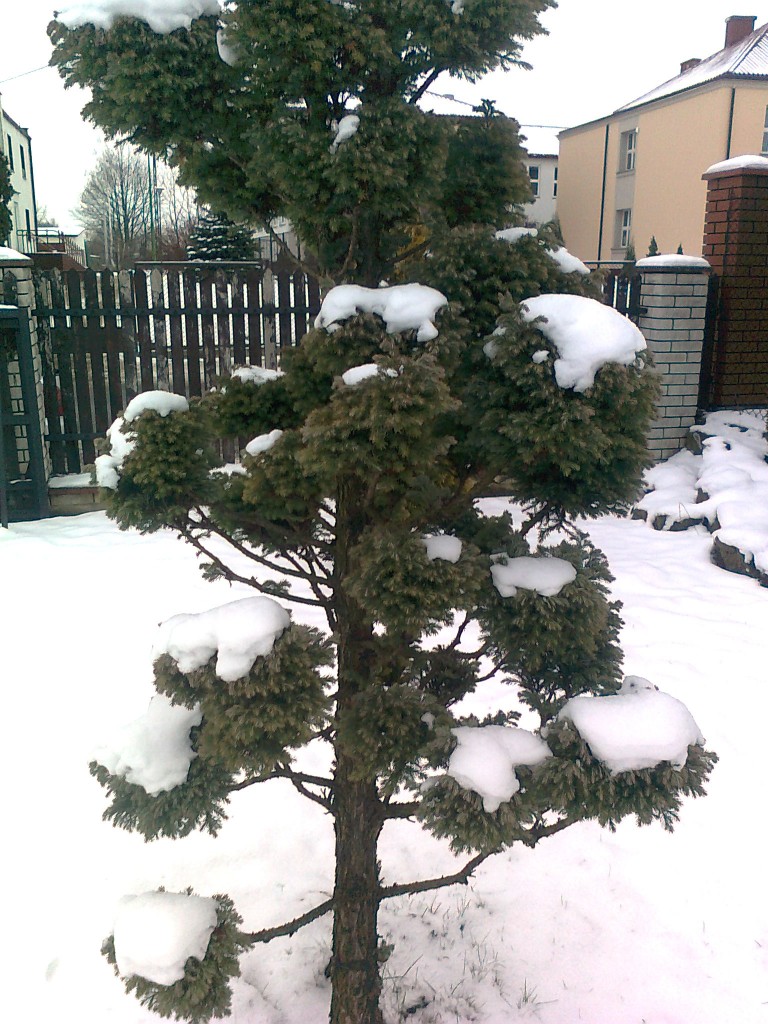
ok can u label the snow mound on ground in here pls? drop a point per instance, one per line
(486, 756)
(639, 728)
(586, 333)
(237, 633)
(546, 576)
(161, 15)
(725, 487)
(161, 402)
(403, 307)
(442, 546)
(154, 751)
(156, 932)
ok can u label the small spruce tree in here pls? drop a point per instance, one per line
(653, 247)
(680, 250)
(6, 195)
(361, 492)
(216, 237)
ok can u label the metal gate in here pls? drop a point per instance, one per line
(23, 491)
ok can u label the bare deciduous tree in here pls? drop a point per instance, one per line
(133, 208)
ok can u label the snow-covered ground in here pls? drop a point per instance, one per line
(638, 926)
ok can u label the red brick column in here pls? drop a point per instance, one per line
(736, 246)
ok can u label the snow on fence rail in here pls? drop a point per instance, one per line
(175, 327)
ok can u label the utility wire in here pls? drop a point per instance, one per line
(24, 74)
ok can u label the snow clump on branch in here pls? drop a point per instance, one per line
(586, 333)
(486, 756)
(162, 16)
(156, 932)
(403, 307)
(545, 576)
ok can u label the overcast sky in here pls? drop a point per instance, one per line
(599, 54)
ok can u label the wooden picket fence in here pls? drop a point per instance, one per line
(175, 327)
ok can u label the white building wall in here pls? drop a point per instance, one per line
(542, 171)
(16, 147)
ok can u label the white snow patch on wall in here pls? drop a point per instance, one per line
(153, 751)
(156, 932)
(161, 402)
(675, 259)
(402, 307)
(587, 335)
(161, 15)
(238, 633)
(634, 730)
(546, 576)
(486, 756)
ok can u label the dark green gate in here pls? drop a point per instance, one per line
(23, 490)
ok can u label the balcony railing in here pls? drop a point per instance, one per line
(30, 242)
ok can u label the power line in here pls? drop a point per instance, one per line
(24, 74)
(465, 103)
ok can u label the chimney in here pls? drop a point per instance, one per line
(738, 27)
(688, 64)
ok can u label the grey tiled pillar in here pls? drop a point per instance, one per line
(20, 267)
(674, 298)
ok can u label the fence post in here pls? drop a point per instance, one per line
(673, 320)
(736, 245)
(20, 267)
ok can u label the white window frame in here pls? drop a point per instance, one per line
(764, 150)
(534, 176)
(623, 228)
(628, 151)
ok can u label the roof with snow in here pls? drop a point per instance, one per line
(745, 59)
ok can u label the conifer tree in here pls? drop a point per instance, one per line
(216, 237)
(653, 247)
(6, 194)
(369, 451)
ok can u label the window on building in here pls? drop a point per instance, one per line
(554, 187)
(28, 219)
(628, 150)
(10, 151)
(623, 228)
(533, 175)
(23, 161)
(764, 150)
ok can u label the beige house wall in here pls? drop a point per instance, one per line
(749, 118)
(578, 191)
(678, 139)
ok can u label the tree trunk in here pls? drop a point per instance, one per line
(356, 983)
(357, 810)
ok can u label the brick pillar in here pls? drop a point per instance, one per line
(674, 299)
(20, 267)
(736, 245)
